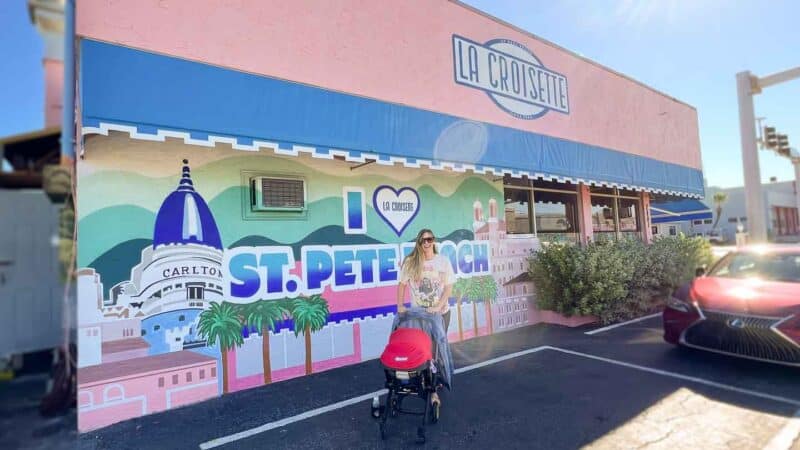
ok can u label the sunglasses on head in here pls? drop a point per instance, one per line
(427, 240)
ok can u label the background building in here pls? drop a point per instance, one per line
(783, 222)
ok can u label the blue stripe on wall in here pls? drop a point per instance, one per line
(126, 86)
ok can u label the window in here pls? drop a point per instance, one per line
(156, 327)
(697, 222)
(160, 382)
(732, 220)
(673, 230)
(556, 212)
(278, 194)
(614, 212)
(540, 207)
(188, 377)
(654, 228)
(629, 214)
(193, 293)
(213, 372)
(707, 221)
(181, 318)
(144, 332)
(603, 212)
(202, 374)
(518, 211)
(175, 379)
(113, 392)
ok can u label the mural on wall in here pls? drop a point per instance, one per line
(203, 301)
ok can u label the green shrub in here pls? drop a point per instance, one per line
(614, 280)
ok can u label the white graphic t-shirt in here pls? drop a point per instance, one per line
(436, 274)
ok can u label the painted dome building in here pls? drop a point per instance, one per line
(181, 270)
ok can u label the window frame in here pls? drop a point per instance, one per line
(249, 197)
(529, 185)
(617, 195)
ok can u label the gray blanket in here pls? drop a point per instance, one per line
(433, 325)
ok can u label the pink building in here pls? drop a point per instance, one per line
(319, 160)
(129, 388)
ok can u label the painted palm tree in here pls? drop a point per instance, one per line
(459, 292)
(310, 314)
(265, 315)
(473, 291)
(221, 325)
(719, 199)
(488, 289)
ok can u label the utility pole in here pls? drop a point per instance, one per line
(795, 155)
(748, 85)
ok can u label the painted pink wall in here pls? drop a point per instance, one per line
(401, 54)
(53, 88)
(141, 395)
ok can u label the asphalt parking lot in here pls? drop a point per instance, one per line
(556, 388)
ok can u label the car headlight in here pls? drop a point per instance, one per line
(678, 304)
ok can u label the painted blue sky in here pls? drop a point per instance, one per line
(690, 50)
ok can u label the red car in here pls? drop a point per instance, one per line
(748, 305)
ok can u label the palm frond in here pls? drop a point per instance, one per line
(221, 325)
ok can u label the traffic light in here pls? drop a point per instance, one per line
(770, 137)
(782, 145)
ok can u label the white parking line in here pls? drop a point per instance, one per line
(289, 420)
(784, 439)
(702, 381)
(344, 403)
(611, 327)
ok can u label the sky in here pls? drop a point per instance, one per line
(688, 49)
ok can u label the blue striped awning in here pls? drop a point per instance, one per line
(154, 97)
(679, 210)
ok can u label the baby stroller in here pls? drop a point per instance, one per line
(415, 362)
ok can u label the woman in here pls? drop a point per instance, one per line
(429, 276)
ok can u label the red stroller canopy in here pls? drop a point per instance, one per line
(408, 348)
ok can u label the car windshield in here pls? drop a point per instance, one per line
(767, 266)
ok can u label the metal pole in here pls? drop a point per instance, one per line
(68, 111)
(756, 225)
(796, 163)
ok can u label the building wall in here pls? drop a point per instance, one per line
(781, 194)
(109, 401)
(402, 54)
(118, 262)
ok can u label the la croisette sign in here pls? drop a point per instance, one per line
(511, 75)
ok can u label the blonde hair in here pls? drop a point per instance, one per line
(412, 264)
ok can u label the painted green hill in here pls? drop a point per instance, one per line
(105, 229)
(115, 265)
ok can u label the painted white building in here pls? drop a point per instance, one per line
(157, 310)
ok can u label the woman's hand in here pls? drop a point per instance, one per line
(433, 309)
(401, 308)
